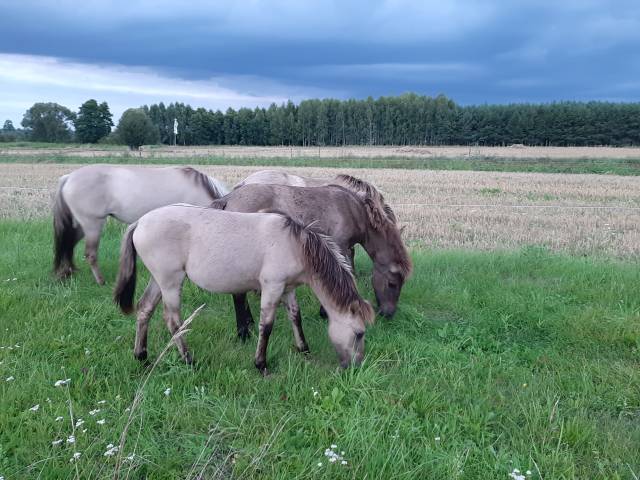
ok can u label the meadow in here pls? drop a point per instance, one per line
(515, 350)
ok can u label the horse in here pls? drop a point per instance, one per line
(230, 252)
(87, 196)
(346, 217)
(356, 185)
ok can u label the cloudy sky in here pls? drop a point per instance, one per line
(252, 52)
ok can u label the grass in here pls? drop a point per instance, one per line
(495, 361)
(611, 166)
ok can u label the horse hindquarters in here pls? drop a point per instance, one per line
(65, 234)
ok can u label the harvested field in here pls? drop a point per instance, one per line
(579, 214)
(514, 151)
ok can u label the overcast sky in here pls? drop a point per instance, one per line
(248, 53)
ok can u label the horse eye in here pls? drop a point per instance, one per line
(359, 335)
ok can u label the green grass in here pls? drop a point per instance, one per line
(612, 166)
(494, 361)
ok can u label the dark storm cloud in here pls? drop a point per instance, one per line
(475, 52)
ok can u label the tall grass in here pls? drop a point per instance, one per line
(525, 360)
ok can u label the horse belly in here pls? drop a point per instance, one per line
(229, 273)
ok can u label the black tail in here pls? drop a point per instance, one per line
(126, 282)
(65, 234)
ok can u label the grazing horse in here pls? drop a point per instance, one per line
(233, 253)
(347, 217)
(357, 185)
(87, 196)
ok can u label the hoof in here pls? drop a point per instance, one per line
(141, 356)
(244, 334)
(188, 359)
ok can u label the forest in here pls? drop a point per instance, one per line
(408, 119)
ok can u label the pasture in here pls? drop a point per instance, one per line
(516, 346)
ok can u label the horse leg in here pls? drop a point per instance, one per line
(92, 230)
(171, 314)
(269, 300)
(293, 311)
(244, 319)
(147, 304)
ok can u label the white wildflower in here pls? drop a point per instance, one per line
(61, 383)
(101, 421)
(10, 379)
(437, 439)
(35, 408)
(86, 351)
(334, 446)
(316, 393)
(75, 457)
(332, 459)
(167, 392)
(111, 450)
(93, 412)
(118, 397)
(528, 472)
(56, 442)
(516, 475)
(79, 422)
(343, 462)
(319, 464)
(59, 419)
(71, 439)
(102, 402)
(130, 457)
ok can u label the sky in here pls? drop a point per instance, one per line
(235, 53)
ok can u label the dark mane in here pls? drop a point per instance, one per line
(331, 268)
(381, 223)
(203, 181)
(358, 185)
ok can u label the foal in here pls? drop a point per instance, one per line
(233, 253)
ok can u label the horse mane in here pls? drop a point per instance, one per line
(379, 221)
(368, 189)
(214, 188)
(332, 270)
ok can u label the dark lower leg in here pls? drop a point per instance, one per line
(244, 319)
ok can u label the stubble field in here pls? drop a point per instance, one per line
(515, 350)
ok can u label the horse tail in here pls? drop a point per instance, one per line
(126, 281)
(65, 233)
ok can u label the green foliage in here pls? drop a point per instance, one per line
(609, 166)
(409, 119)
(93, 122)
(136, 129)
(494, 361)
(8, 126)
(48, 122)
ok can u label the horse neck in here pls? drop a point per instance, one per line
(325, 299)
(376, 245)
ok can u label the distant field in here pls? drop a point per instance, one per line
(579, 214)
(601, 160)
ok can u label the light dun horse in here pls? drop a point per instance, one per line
(347, 217)
(234, 253)
(87, 196)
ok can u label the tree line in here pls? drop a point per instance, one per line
(408, 119)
